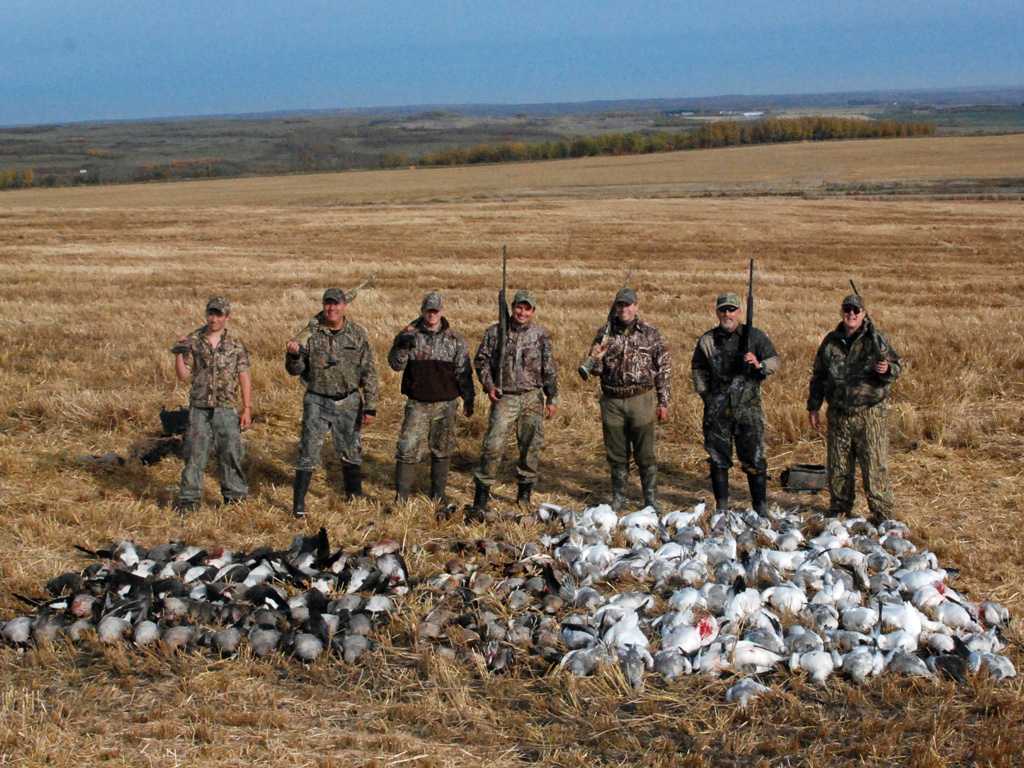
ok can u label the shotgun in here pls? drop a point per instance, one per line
(588, 364)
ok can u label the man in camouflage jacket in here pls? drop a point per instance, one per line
(727, 371)
(218, 364)
(434, 361)
(853, 369)
(334, 359)
(528, 379)
(634, 367)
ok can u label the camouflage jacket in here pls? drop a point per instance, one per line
(637, 359)
(435, 364)
(336, 363)
(844, 372)
(719, 372)
(529, 361)
(215, 370)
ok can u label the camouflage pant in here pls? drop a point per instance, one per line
(628, 427)
(722, 429)
(859, 438)
(433, 422)
(342, 417)
(525, 412)
(209, 428)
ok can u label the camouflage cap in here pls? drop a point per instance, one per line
(218, 304)
(854, 300)
(525, 296)
(727, 300)
(627, 296)
(432, 302)
(335, 294)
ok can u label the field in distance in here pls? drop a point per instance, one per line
(325, 141)
(984, 166)
(97, 283)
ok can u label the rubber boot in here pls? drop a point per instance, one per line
(649, 484)
(404, 474)
(352, 475)
(477, 512)
(299, 488)
(620, 477)
(439, 479)
(720, 487)
(759, 492)
(525, 491)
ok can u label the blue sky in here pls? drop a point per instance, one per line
(67, 61)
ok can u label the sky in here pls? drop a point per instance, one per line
(81, 60)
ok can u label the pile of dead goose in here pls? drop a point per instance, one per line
(305, 601)
(729, 593)
(687, 593)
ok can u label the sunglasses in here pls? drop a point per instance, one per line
(849, 308)
(727, 309)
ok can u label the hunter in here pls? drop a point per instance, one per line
(335, 361)
(633, 363)
(218, 364)
(852, 372)
(434, 361)
(527, 396)
(728, 366)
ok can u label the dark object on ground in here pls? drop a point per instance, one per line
(174, 422)
(108, 459)
(151, 450)
(801, 478)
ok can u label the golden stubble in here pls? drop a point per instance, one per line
(93, 298)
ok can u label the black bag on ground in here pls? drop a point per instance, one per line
(174, 422)
(804, 478)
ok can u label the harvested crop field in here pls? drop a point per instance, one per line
(97, 284)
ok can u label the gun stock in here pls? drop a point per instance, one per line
(350, 296)
(588, 364)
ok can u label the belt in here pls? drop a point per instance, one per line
(519, 392)
(336, 397)
(626, 391)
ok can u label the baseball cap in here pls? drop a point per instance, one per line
(525, 296)
(432, 302)
(727, 300)
(219, 304)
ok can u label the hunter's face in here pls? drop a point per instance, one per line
(522, 313)
(215, 321)
(334, 314)
(626, 312)
(853, 318)
(728, 318)
(432, 318)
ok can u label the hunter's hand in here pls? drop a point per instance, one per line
(368, 419)
(815, 418)
(882, 366)
(598, 350)
(467, 410)
(550, 411)
(182, 339)
(245, 419)
(751, 358)
(661, 412)
(494, 394)
(293, 347)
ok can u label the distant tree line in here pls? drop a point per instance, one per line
(724, 133)
(15, 178)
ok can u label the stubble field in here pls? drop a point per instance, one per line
(97, 283)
